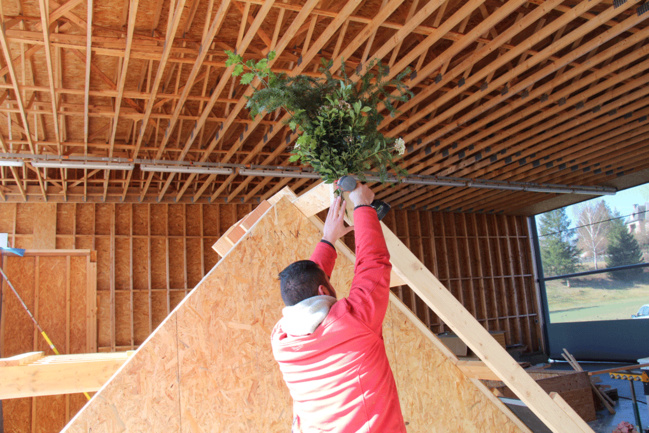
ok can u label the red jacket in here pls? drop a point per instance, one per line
(339, 376)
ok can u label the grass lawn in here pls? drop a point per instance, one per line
(595, 297)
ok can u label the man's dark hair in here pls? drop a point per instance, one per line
(300, 280)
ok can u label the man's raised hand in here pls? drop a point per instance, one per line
(334, 226)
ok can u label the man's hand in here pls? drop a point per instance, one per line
(362, 195)
(334, 226)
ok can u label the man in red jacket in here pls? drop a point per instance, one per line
(331, 352)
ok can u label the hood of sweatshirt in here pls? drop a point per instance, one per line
(304, 317)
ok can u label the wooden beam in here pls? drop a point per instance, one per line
(203, 51)
(14, 82)
(536, 93)
(31, 374)
(473, 168)
(43, 5)
(281, 45)
(227, 75)
(172, 27)
(475, 57)
(132, 15)
(474, 79)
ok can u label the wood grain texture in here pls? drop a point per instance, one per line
(59, 289)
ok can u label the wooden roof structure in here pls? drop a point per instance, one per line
(517, 102)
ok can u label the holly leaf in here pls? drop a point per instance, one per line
(238, 69)
(247, 78)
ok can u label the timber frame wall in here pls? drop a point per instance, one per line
(149, 256)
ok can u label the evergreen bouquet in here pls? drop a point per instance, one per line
(337, 119)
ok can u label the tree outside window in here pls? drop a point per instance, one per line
(559, 251)
(593, 226)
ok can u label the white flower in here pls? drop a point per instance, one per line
(400, 146)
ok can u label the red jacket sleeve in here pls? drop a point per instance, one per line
(370, 291)
(325, 256)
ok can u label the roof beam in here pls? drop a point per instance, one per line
(505, 115)
(132, 15)
(50, 69)
(281, 45)
(172, 28)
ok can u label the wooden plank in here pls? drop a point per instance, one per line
(476, 370)
(55, 375)
(21, 359)
(132, 15)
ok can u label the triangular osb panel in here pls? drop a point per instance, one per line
(209, 366)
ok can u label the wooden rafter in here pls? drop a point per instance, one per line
(50, 69)
(487, 79)
(132, 15)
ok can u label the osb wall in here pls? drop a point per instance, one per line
(485, 260)
(209, 366)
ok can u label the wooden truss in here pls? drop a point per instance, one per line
(543, 91)
(209, 364)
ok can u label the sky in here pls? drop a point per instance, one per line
(623, 201)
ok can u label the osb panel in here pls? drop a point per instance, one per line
(123, 219)
(141, 219)
(103, 319)
(158, 220)
(25, 218)
(158, 307)
(7, 217)
(140, 263)
(45, 227)
(193, 254)
(209, 255)
(65, 213)
(177, 268)
(141, 317)
(50, 414)
(104, 218)
(228, 379)
(78, 302)
(85, 218)
(211, 221)
(442, 392)
(51, 310)
(65, 243)
(193, 219)
(152, 372)
(158, 263)
(123, 309)
(104, 262)
(176, 219)
(122, 265)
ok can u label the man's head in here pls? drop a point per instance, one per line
(303, 279)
